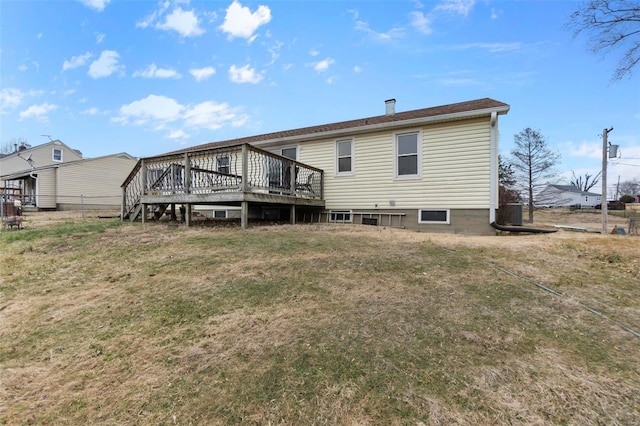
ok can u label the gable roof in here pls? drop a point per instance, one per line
(457, 111)
(56, 142)
(573, 189)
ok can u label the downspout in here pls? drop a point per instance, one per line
(35, 200)
(493, 174)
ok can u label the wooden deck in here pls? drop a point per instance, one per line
(235, 175)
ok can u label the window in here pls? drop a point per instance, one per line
(407, 151)
(340, 216)
(344, 156)
(220, 214)
(290, 153)
(434, 216)
(223, 164)
(57, 154)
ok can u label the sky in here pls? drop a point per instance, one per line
(148, 77)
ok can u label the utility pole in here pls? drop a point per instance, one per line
(605, 133)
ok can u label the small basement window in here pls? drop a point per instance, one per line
(434, 216)
(220, 214)
(340, 216)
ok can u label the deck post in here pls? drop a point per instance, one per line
(244, 214)
(143, 212)
(292, 214)
(245, 168)
(124, 201)
(173, 213)
(187, 220)
(187, 174)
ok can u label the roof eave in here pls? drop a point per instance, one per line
(387, 126)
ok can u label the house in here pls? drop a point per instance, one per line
(567, 195)
(53, 176)
(432, 169)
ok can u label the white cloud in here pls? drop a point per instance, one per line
(392, 34)
(23, 68)
(202, 73)
(323, 65)
(420, 22)
(239, 21)
(152, 71)
(105, 65)
(490, 47)
(152, 108)
(161, 112)
(10, 98)
(76, 61)
(209, 115)
(178, 134)
(98, 5)
(153, 17)
(244, 75)
(313, 52)
(185, 22)
(274, 52)
(91, 111)
(585, 149)
(100, 37)
(494, 13)
(38, 111)
(460, 7)
(357, 69)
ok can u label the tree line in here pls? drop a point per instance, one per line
(531, 167)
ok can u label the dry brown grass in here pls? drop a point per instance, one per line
(102, 323)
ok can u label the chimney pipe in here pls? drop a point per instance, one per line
(390, 105)
(22, 147)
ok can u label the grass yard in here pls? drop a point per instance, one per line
(122, 324)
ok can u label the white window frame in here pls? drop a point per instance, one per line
(53, 155)
(418, 175)
(352, 156)
(280, 149)
(437, 222)
(332, 214)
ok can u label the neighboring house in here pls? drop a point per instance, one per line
(567, 195)
(432, 169)
(54, 176)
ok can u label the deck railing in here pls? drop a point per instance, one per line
(236, 168)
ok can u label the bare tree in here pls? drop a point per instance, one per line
(586, 183)
(533, 162)
(610, 25)
(12, 145)
(630, 187)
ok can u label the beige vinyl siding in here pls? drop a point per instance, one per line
(97, 181)
(46, 189)
(455, 169)
(40, 156)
